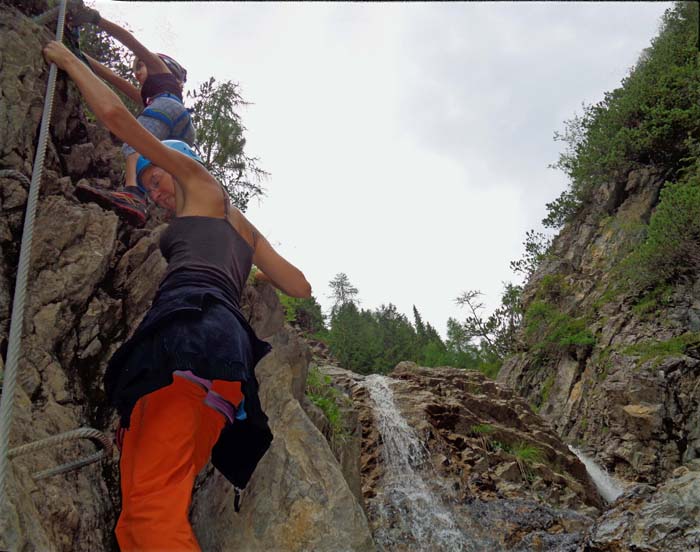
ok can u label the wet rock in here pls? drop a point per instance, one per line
(473, 430)
(639, 413)
(647, 518)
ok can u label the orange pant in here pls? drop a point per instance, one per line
(169, 441)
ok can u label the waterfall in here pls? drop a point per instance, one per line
(407, 509)
(608, 487)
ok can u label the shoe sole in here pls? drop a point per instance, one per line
(132, 216)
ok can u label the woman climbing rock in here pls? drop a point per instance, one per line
(184, 384)
(164, 115)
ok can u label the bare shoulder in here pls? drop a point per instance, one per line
(244, 227)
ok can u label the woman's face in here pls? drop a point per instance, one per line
(160, 187)
(140, 71)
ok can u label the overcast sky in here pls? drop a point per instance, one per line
(407, 143)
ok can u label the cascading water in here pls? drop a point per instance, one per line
(410, 515)
(608, 487)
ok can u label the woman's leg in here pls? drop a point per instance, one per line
(168, 442)
(130, 179)
(130, 202)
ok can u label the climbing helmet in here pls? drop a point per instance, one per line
(177, 145)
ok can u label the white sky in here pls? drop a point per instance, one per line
(407, 143)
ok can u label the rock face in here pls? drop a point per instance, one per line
(92, 279)
(491, 461)
(636, 406)
(647, 518)
(297, 498)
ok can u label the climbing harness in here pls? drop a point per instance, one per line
(183, 120)
(17, 317)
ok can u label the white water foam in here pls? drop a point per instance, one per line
(409, 510)
(608, 487)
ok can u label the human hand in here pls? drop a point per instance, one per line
(85, 15)
(55, 52)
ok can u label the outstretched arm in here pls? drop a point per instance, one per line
(198, 185)
(272, 267)
(115, 80)
(153, 63)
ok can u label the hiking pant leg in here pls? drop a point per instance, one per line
(155, 126)
(168, 442)
(172, 110)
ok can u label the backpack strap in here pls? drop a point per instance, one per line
(162, 117)
(181, 122)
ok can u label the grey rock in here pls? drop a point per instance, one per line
(79, 161)
(297, 498)
(646, 518)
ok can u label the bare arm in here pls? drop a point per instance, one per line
(202, 192)
(153, 63)
(272, 266)
(111, 77)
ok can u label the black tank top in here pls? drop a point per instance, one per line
(160, 83)
(206, 251)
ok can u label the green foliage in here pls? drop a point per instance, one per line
(651, 349)
(537, 246)
(527, 453)
(671, 251)
(342, 291)
(355, 341)
(220, 138)
(481, 429)
(562, 209)
(550, 332)
(375, 341)
(497, 331)
(305, 313)
(546, 388)
(320, 392)
(553, 287)
(652, 301)
(652, 119)
(397, 336)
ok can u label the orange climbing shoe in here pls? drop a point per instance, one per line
(130, 206)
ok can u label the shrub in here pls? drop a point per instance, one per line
(481, 429)
(527, 453)
(647, 350)
(321, 393)
(652, 119)
(305, 313)
(671, 251)
(550, 331)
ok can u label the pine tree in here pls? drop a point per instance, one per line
(342, 291)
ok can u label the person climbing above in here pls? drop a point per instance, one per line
(184, 383)
(164, 115)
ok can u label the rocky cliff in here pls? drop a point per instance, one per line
(490, 467)
(631, 396)
(609, 348)
(91, 281)
(495, 468)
